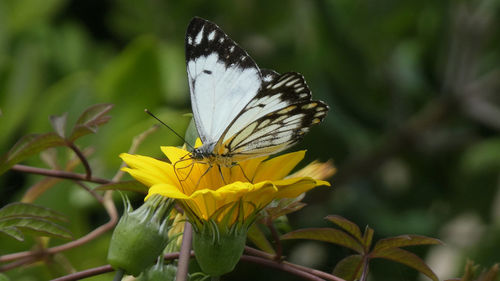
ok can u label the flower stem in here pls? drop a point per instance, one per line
(119, 274)
(185, 253)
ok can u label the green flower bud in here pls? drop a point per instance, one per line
(141, 235)
(217, 252)
(159, 272)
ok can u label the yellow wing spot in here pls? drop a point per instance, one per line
(264, 123)
(309, 105)
(245, 133)
(279, 119)
(287, 109)
(319, 114)
(316, 121)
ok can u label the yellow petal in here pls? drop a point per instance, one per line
(278, 167)
(166, 190)
(291, 188)
(248, 167)
(149, 170)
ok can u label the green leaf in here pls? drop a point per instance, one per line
(403, 241)
(14, 233)
(330, 235)
(90, 120)
(59, 124)
(23, 209)
(367, 237)
(258, 237)
(27, 146)
(406, 258)
(346, 225)
(350, 268)
(131, 185)
(37, 226)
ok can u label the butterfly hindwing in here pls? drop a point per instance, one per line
(223, 78)
(278, 117)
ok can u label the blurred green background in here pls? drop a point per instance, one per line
(413, 126)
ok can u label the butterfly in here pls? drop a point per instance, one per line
(241, 111)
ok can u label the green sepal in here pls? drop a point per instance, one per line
(140, 236)
(159, 272)
(218, 252)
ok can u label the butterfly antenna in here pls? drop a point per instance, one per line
(170, 128)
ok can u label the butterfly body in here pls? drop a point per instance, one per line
(240, 110)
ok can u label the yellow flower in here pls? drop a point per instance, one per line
(212, 193)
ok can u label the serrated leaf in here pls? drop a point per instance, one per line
(59, 124)
(37, 226)
(350, 268)
(258, 237)
(403, 241)
(367, 237)
(407, 258)
(330, 235)
(132, 185)
(30, 210)
(27, 146)
(346, 225)
(90, 120)
(13, 232)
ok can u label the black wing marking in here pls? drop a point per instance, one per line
(223, 78)
(278, 117)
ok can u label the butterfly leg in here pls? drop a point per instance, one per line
(243, 172)
(186, 176)
(204, 173)
(221, 174)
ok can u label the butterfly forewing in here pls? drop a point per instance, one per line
(278, 117)
(223, 78)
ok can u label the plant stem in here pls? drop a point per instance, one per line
(119, 274)
(83, 159)
(185, 253)
(57, 174)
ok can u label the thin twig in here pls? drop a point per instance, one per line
(85, 273)
(113, 214)
(83, 159)
(18, 263)
(57, 174)
(276, 237)
(319, 273)
(316, 272)
(258, 253)
(92, 192)
(183, 265)
(100, 270)
(133, 148)
(282, 267)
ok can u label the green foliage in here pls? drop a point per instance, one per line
(472, 273)
(16, 218)
(413, 128)
(354, 266)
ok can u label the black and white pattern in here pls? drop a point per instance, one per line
(241, 111)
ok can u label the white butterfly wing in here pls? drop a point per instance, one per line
(222, 78)
(278, 117)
